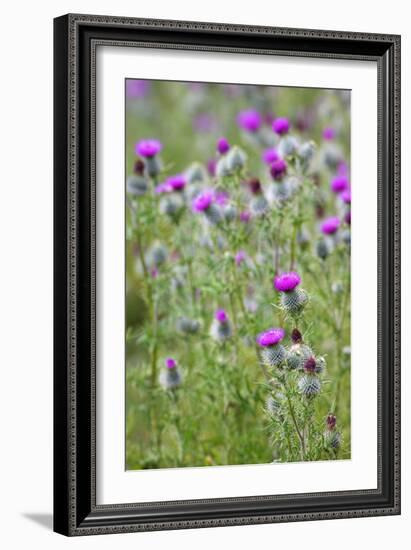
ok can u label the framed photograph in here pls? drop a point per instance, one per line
(227, 276)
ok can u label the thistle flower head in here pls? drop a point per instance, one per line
(240, 257)
(221, 316)
(296, 336)
(139, 167)
(347, 217)
(270, 155)
(331, 421)
(270, 337)
(330, 225)
(287, 281)
(339, 184)
(223, 145)
(281, 126)
(245, 216)
(346, 196)
(249, 120)
(203, 201)
(254, 185)
(310, 365)
(170, 363)
(329, 133)
(177, 182)
(278, 169)
(148, 148)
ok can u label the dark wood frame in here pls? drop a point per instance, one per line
(76, 38)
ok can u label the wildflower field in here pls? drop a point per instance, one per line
(237, 274)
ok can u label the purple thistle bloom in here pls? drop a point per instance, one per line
(330, 225)
(270, 337)
(221, 316)
(278, 169)
(270, 155)
(245, 216)
(339, 184)
(222, 145)
(329, 133)
(331, 421)
(254, 185)
(346, 196)
(137, 88)
(171, 363)
(281, 126)
(148, 147)
(163, 188)
(203, 201)
(310, 365)
(249, 120)
(296, 336)
(347, 217)
(221, 198)
(240, 257)
(177, 182)
(287, 281)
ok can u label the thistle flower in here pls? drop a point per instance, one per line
(136, 185)
(288, 146)
(278, 169)
(259, 206)
(309, 385)
(221, 327)
(171, 205)
(328, 133)
(270, 155)
(254, 186)
(235, 159)
(221, 168)
(170, 378)
(273, 403)
(177, 182)
(339, 184)
(240, 257)
(195, 173)
(245, 216)
(293, 299)
(203, 201)
(323, 249)
(332, 437)
(148, 148)
(249, 120)
(298, 355)
(139, 167)
(306, 153)
(281, 126)
(188, 326)
(229, 212)
(345, 196)
(330, 225)
(273, 353)
(347, 217)
(287, 281)
(223, 146)
(157, 254)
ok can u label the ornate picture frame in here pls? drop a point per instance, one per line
(76, 40)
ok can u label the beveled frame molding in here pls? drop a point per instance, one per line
(76, 39)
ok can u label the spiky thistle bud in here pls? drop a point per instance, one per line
(157, 254)
(170, 378)
(298, 354)
(288, 146)
(220, 327)
(195, 173)
(323, 249)
(136, 185)
(332, 437)
(188, 326)
(309, 385)
(235, 159)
